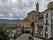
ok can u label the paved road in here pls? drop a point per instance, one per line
(37, 38)
(25, 37)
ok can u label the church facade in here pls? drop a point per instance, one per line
(40, 23)
(34, 18)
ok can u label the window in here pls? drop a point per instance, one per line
(46, 15)
(46, 22)
(46, 35)
(52, 17)
(41, 26)
(52, 11)
(46, 28)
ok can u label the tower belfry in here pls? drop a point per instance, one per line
(37, 7)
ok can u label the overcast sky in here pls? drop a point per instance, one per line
(18, 9)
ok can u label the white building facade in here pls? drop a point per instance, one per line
(48, 21)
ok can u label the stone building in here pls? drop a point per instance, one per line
(34, 18)
(48, 21)
(40, 23)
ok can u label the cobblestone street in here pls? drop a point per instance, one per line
(37, 39)
(25, 37)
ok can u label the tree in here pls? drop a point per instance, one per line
(3, 33)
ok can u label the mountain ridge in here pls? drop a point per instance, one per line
(10, 21)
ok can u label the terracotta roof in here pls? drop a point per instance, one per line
(25, 20)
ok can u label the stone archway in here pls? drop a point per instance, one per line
(32, 26)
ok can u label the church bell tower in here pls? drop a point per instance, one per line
(37, 7)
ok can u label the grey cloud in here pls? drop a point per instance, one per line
(8, 8)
